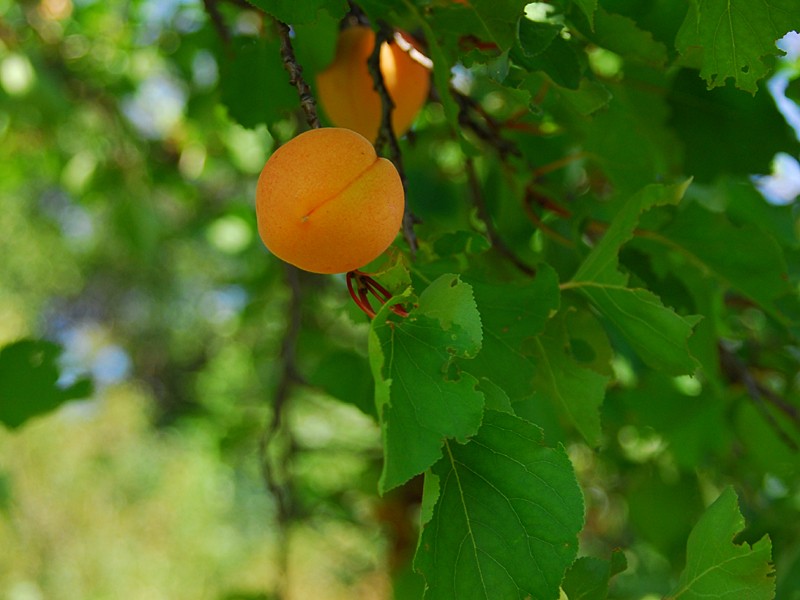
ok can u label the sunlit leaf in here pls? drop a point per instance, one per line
(508, 513)
(420, 401)
(734, 37)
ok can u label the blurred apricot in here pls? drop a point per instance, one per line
(346, 90)
(326, 203)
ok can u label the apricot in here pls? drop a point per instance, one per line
(346, 89)
(326, 203)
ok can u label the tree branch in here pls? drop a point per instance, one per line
(737, 372)
(497, 242)
(295, 71)
(386, 135)
(488, 131)
(274, 471)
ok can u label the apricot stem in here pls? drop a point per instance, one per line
(365, 285)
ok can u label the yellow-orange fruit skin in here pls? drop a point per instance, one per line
(346, 90)
(326, 203)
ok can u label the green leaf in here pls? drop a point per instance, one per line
(254, 85)
(657, 334)
(631, 139)
(590, 97)
(588, 7)
(588, 577)
(624, 37)
(499, 20)
(718, 568)
(734, 36)
(512, 313)
(742, 258)
(576, 392)
(420, 400)
(345, 376)
(710, 125)
(507, 518)
(535, 37)
(602, 263)
(29, 385)
(559, 60)
(300, 11)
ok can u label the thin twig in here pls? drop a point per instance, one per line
(488, 130)
(295, 71)
(737, 372)
(216, 18)
(483, 213)
(386, 135)
(274, 471)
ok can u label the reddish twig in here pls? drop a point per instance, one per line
(366, 285)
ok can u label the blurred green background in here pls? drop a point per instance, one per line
(127, 235)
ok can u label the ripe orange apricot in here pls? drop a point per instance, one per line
(346, 90)
(326, 203)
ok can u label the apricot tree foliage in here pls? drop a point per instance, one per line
(582, 354)
(588, 266)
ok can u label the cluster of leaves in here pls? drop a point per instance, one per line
(638, 268)
(604, 311)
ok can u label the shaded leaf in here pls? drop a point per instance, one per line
(602, 263)
(345, 375)
(512, 313)
(657, 334)
(742, 258)
(590, 97)
(716, 567)
(300, 11)
(711, 124)
(254, 85)
(588, 7)
(577, 392)
(623, 36)
(588, 577)
(29, 385)
(559, 60)
(499, 20)
(630, 138)
(535, 37)
(507, 517)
